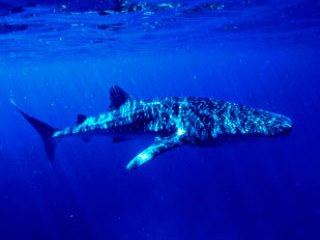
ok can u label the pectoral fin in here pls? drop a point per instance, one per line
(159, 146)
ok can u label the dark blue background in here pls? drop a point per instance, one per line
(249, 188)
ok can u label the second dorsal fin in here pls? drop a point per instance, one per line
(118, 97)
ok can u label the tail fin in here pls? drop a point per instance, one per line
(44, 130)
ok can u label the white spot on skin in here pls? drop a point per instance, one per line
(143, 156)
(139, 160)
(181, 131)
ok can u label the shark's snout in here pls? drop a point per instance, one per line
(283, 124)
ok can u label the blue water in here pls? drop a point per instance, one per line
(59, 60)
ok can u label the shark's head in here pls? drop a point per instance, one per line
(277, 124)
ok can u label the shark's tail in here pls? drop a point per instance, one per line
(44, 130)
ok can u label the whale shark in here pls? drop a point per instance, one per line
(173, 121)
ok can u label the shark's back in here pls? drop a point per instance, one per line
(205, 118)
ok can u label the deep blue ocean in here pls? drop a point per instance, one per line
(59, 59)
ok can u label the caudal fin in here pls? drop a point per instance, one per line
(44, 130)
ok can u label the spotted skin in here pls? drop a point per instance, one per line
(177, 121)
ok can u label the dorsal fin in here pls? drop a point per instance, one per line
(81, 118)
(118, 97)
